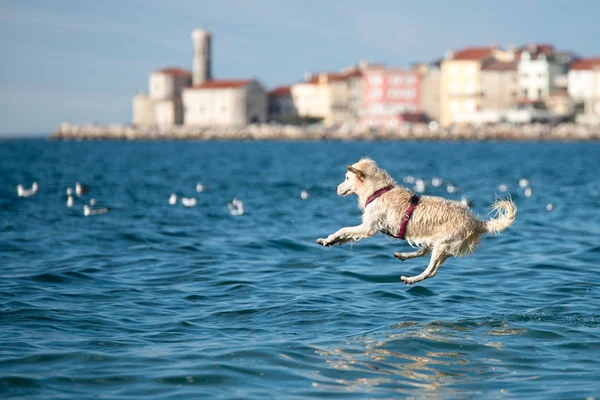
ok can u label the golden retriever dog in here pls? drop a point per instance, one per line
(439, 226)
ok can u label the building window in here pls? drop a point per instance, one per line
(454, 88)
(375, 79)
(397, 79)
(375, 93)
(395, 93)
(410, 93)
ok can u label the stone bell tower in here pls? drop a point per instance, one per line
(202, 71)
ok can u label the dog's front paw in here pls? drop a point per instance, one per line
(399, 256)
(324, 242)
(406, 280)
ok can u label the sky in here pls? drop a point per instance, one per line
(82, 61)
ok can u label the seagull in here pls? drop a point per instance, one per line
(69, 201)
(502, 187)
(528, 192)
(465, 201)
(304, 194)
(436, 182)
(419, 186)
(22, 192)
(92, 202)
(236, 207)
(523, 182)
(200, 187)
(173, 199)
(80, 189)
(188, 202)
(450, 188)
(69, 191)
(87, 211)
(549, 207)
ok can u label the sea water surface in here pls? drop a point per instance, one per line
(167, 302)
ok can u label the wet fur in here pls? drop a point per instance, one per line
(441, 227)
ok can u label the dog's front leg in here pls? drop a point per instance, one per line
(345, 235)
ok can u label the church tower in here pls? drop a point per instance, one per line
(202, 70)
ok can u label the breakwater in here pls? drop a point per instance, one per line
(530, 132)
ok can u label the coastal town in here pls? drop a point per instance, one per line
(531, 92)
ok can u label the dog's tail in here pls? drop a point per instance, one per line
(505, 213)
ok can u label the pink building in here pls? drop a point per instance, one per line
(391, 97)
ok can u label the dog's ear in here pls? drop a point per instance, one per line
(358, 172)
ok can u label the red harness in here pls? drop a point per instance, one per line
(414, 200)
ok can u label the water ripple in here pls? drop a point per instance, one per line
(160, 301)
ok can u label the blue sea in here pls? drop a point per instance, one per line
(161, 301)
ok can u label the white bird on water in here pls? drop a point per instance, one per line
(200, 187)
(436, 181)
(464, 200)
(304, 194)
(419, 186)
(236, 207)
(69, 201)
(22, 192)
(173, 199)
(523, 182)
(87, 211)
(80, 189)
(450, 188)
(188, 201)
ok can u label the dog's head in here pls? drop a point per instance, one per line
(356, 177)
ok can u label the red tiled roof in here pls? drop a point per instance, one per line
(497, 65)
(586, 64)
(473, 53)
(537, 48)
(355, 73)
(281, 91)
(174, 71)
(333, 76)
(222, 84)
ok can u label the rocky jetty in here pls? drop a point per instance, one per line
(531, 132)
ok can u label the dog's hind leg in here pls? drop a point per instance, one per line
(422, 252)
(437, 258)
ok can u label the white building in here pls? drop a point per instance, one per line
(538, 69)
(325, 96)
(584, 85)
(225, 103)
(281, 105)
(162, 106)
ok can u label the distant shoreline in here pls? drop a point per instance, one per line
(530, 132)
